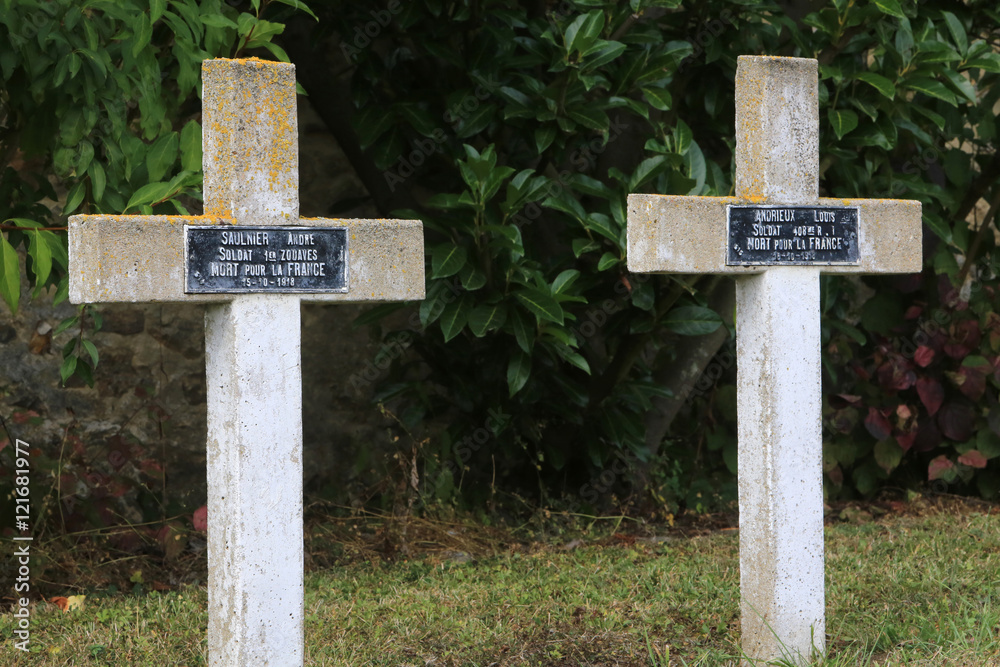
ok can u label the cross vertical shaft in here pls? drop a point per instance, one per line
(254, 375)
(779, 398)
(778, 374)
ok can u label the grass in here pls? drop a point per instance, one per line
(901, 590)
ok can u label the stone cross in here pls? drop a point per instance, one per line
(252, 278)
(775, 237)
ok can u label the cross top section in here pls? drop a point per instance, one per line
(251, 163)
(777, 163)
(250, 148)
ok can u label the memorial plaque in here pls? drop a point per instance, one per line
(226, 258)
(792, 235)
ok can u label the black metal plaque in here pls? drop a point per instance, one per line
(226, 258)
(792, 235)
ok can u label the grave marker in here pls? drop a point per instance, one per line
(253, 278)
(776, 236)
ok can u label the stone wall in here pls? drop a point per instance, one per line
(148, 400)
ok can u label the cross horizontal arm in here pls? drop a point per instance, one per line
(679, 234)
(132, 258)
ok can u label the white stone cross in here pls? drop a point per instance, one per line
(777, 252)
(252, 342)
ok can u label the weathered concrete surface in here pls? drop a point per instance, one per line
(774, 164)
(250, 147)
(677, 234)
(778, 343)
(255, 540)
(252, 351)
(779, 404)
(135, 258)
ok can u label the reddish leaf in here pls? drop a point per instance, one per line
(172, 539)
(973, 459)
(957, 422)
(200, 519)
(60, 602)
(877, 424)
(848, 399)
(23, 416)
(931, 394)
(928, 436)
(913, 312)
(906, 440)
(923, 356)
(896, 374)
(970, 381)
(836, 475)
(939, 468)
(964, 338)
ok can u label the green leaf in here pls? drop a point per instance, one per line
(218, 21)
(447, 260)
(932, 88)
(692, 320)
(67, 367)
(477, 121)
(542, 304)
(143, 30)
(543, 137)
(299, 5)
(151, 193)
(75, 197)
(564, 280)
(92, 351)
(880, 83)
(989, 62)
(454, 317)
(888, 454)
(607, 261)
(589, 117)
(486, 317)
(161, 156)
(156, 9)
(584, 29)
(66, 324)
(853, 332)
(843, 121)
(647, 169)
(98, 181)
(190, 146)
(518, 370)
(658, 98)
(957, 31)
(10, 274)
(890, 7)
(961, 84)
(581, 246)
(574, 358)
(524, 330)
(41, 254)
(607, 52)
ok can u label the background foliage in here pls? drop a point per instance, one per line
(515, 130)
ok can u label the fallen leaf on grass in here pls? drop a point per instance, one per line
(67, 604)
